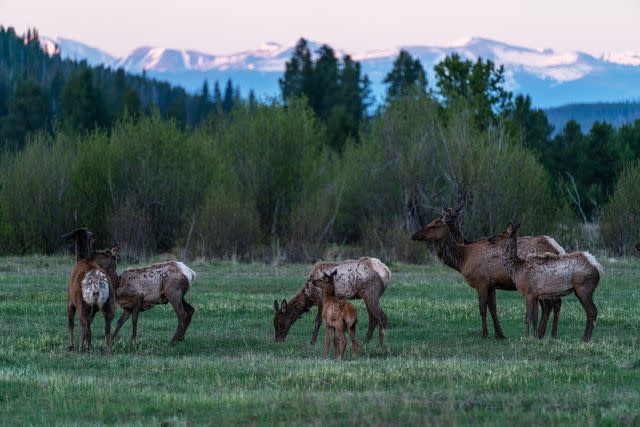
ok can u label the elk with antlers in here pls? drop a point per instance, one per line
(551, 276)
(89, 291)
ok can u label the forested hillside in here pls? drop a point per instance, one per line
(309, 176)
(615, 113)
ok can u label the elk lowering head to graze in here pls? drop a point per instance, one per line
(364, 278)
(339, 316)
(480, 263)
(139, 289)
(551, 276)
(88, 292)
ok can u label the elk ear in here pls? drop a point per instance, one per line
(509, 228)
(515, 230)
(68, 236)
(284, 304)
(275, 305)
(333, 273)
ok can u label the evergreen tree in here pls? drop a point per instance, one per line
(228, 98)
(531, 123)
(130, 104)
(217, 97)
(406, 76)
(82, 104)
(298, 75)
(28, 110)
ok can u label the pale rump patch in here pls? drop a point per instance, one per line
(379, 267)
(592, 260)
(188, 273)
(95, 287)
(555, 245)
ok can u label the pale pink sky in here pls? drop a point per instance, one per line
(118, 26)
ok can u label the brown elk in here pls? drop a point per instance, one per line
(364, 278)
(526, 246)
(480, 264)
(338, 316)
(88, 292)
(551, 276)
(139, 289)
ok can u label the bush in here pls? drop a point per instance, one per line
(620, 221)
(32, 201)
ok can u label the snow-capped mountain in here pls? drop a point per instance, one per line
(550, 77)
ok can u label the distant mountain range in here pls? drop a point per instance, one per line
(551, 78)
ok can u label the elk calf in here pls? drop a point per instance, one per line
(338, 316)
(546, 276)
(88, 292)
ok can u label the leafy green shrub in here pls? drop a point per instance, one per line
(620, 221)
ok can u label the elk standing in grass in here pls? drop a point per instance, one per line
(338, 316)
(551, 276)
(364, 278)
(88, 292)
(526, 245)
(139, 289)
(480, 264)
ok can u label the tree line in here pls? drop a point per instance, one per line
(316, 172)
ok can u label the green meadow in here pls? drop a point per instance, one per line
(435, 369)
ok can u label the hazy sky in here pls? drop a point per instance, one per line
(118, 26)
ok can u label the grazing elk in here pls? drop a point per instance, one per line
(89, 291)
(338, 316)
(526, 245)
(551, 276)
(139, 289)
(364, 278)
(480, 264)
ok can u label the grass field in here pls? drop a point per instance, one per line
(435, 368)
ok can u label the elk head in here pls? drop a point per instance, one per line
(435, 230)
(84, 242)
(325, 280)
(281, 322)
(107, 260)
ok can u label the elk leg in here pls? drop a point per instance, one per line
(108, 313)
(534, 317)
(591, 311)
(341, 341)
(336, 343)
(372, 324)
(134, 319)
(527, 317)
(557, 304)
(545, 306)
(181, 313)
(121, 321)
(327, 339)
(190, 311)
(494, 314)
(91, 316)
(355, 345)
(373, 306)
(483, 297)
(316, 325)
(71, 312)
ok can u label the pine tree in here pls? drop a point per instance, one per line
(406, 76)
(82, 104)
(227, 99)
(28, 110)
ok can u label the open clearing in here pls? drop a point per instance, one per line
(435, 368)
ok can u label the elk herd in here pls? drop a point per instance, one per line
(536, 266)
